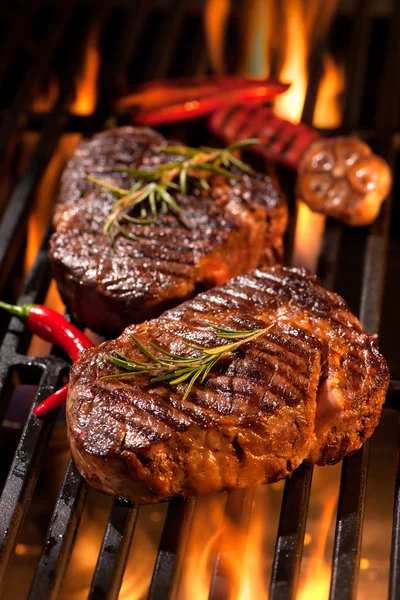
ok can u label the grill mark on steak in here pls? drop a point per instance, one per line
(310, 389)
(234, 227)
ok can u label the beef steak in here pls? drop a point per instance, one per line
(235, 226)
(311, 389)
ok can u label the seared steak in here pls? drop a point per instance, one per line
(235, 226)
(310, 389)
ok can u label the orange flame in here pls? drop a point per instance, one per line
(257, 25)
(44, 101)
(294, 69)
(86, 97)
(202, 548)
(327, 112)
(308, 236)
(315, 572)
(216, 14)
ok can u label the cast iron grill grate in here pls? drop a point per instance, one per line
(69, 23)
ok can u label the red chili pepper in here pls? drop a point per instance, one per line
(56, 399)
(168, 101)
(51, 327)
(281, 141)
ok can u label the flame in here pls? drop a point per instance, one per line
(45, 100)
(327, 112)
(45, 194)
(303, 27)
(216, 13)
(315, 575)
(291, 30)
(245, 546)
(294, 69)
(319, 578)
(143, 553)
(308, 236)
(202, 548)
(255, 566)
(86, 97)
(257, 20)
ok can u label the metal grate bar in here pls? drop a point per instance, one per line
(292, 526)
(328, 261)
(21, 480)
(12, 227)
(168, 37)
(12, 121)
(394, 576)
(170, 553)
(358, 56)
(112, 71)
(34, 292)
(114, 551)
(130, 36)
(14, 37)
(350, 517)
(60, 536)
(375, 270)
(349, 524)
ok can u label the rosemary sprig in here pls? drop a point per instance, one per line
(152, 191)
(175, 369)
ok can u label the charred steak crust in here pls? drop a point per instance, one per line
(235, 227)
(311, 389)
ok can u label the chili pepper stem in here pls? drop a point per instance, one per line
(21, 312)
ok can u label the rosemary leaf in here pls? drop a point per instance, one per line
(168, 199)
(204, 184)
(150, 192)
(182, 150)
(108, 186)
(241, 165)
(140, 173)
(182, 180)
(143, 349)
(243, 144)
(170, 355)
(219, 171)
(152, 202)
(174, 369)
(209, 367)
(191, 382)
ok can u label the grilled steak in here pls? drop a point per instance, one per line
(311, 388)
(234, 227)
